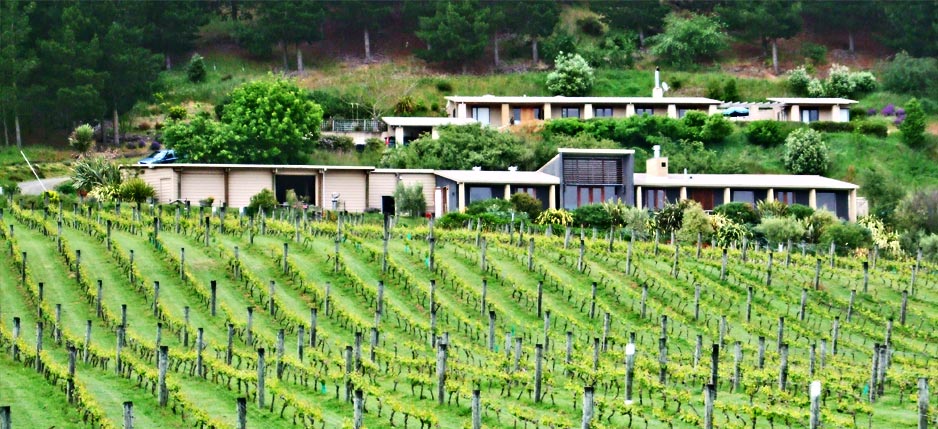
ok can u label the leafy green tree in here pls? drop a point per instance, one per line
(806, 152)
(195, 70)
(410, 199)
(766, 20)
(691, 155)
(264, 200)
(852, 16)
(908, 75)
(169, 27)
(882, 192)
(459, 148)
(365, 16)
(641, 16)
(847, 236)
(202, 140)
(130, 70)
(456, 34)
(688, 40)
(695, 221)
(914, 27)
(781, 229)
(15, 61)
(572, 76)
(540, 18)
(284, 22)
(82, 138)
(913, 127)
(741, 213)
(525, 203)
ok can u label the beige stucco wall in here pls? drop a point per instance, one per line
(163, 181)
(380, 184)
(200, 184)
(350, 184)
(242, 185)
(426, 179)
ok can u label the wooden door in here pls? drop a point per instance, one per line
(704, 197)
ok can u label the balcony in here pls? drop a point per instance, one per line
(353, 125)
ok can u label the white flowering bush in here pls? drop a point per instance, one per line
(572, 76)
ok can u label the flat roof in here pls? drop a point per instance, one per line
(758, 181)
(559, 99)
(576, 151)
(810, 100)
(499, 177)
(404, 170)
(252, 166)
(424, 121)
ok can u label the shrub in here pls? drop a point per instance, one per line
(554, 217)
(177, 113)
(136, 190)
(405, 105)
(558, 43)
(846, 236)
(913, 126)
(839, 83)
(592, 215)
(195, 70)
(781, 229)
(592, 25)
(410, 199)
(800, 211)
(82, 138)
(767, 209)
(918, 212)
(814, 52)
(873, 128)
(716, 129)
(66, 188)
(798, 80)
(863, 82)
(263, 200)
(815, 224)
(694, 221)
(572, 76)
(806, 152)
(695, 119)
(727, 231)
(816, 88)
(336, 142)
(671, 217)
(490, 205)
(525, 203)
(929, 246)
(688, 40)
(714, 90)
(91, 172)
(858, 113)
(444, 86)
(730, 93)
(741, 213)
(155, 145)
(886, 239)
(766, 133)
(832, 127)
(453, 220)
(908, 75)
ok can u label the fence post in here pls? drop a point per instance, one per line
(476, 409)
(261, 372)
(538, 358)
(128, 415)
(242, 406)
(710, 394)
(815, 395)
(163, 362)
(922, 400)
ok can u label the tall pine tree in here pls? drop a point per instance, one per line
(15, 62)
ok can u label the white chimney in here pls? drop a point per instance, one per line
(656, 166)
(513, 168)
(476, 168)
(657, 91)
(657, 149)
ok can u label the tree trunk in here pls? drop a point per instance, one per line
(850, 38)
(775, 56)
(367, 46)
(641, 38)
(117, 138)
(534, 55)
(16, 125)
(234, 10)
(283, 46)
(299, 59)
(169, 61)
(497, 60)
(6, 129)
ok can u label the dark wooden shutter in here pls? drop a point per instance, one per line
(592, 171)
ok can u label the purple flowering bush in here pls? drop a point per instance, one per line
(889, 110)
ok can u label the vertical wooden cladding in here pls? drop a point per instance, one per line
(243, 184)
(592, 171)
(201, 184)
(384, 182)
(163, 181)
(350, 185)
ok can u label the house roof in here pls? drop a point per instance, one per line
(250, 166)
(757, 181)
(403, 171)
(576, 151)
(559, 99)
(424, 121)
(812, 101)
(499, 177)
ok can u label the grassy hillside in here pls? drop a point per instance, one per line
(618, 294)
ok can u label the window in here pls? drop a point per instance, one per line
(655, 199)
(744, 197)
(644, 111)
(569, 112)
(603, 112)
(515, 115)
(538, 113)
(526, 190)
(590, 195)
(827, 201)
(682, 112)
(481, 114)
(479, 194)
(787, 197)
(810, 115)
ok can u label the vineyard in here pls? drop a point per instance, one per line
(174, 318)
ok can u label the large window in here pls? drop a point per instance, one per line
(479, 194)
(683, 112)
(787, 197)
(655, 199)
(590, 195)
(650, 111)
(515, 115)
(569, 112)
(525, 190)
(603, 112)
(744, 197)
(481, 114)
(810, 115)
(827, 201)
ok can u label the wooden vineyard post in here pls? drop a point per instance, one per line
(883, 365)
(922, 401)
(228, 350)
(84, 353)
(432, 325)
(696, 302)
(710, 394)
(823, 353)
(57, 328)
(569, 355)
(208, 230)
(804, 302)
(853, 296)
(737, 360)
(286, 255)
(866, 276)
(485, 289)
(587, 407)
(199, 346)
(606, 322)
(768, 270)
(5, 419)
(698, 346)
(783, 367)
(902, 308)
(162, 363)
(761, 356)
(476, 409)
(834, 335)
(677, 256)
(301, 341)
(547, 329)
(23, 269)
(657, 238)
(38, 346)
(374, 345)
(540, 297)
(745, 249)
(159, 333)
(250, 327)
(831, 253)
(722, 332)
(781, 332)
(359, 406)
(379, 304)
(271, 303)
(644, 298)
(715, 365)
(628, 254)
(662, 360)
(128, 415)
(182, 263)
(817, 275)
(156, 298)
(812, 357)
(441, 372)
(723, 266)
(242, 409)
(348, 372)
(579, 263)
(357, 351)
(749, 292)
(566, 237)
(118, 364)
(593, 301)
(538, 370)
(517, 364)
(629, 371)
(261, 372)
(15, 348)
(492, 330)
(531, 254)
(279, 351)
(77, 265)
(312, 327)
(595, 353)
(815, 396)
(70, 382)
(483, 248)
(699, 244)
(788, 254)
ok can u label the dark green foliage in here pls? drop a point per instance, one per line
(525, 203)
(714, 90)
(716, 129)
(741, 213)
(858, 113)
(444, 86)
(832, 127)
(405, 106)
(882, 193)
(136, 190)
(616, 50)
(873, 128)
(263, 200)
(453, 220)
(592, 215)
(688, 41)
(177, 113)
(171, 27)
(671, 217)
(695, 119)
(557, 43)
(490, 205)
(814, 52)
(847, 236)
(282, 23)
(911, 25)
(336, 142)
(591, 25)
(636, 131)
(913, 127)
(730, 93)
(65, 188)
(806, 152)
(918, 212)
(456, 33)
(908, 75)
(642, 17)
(459, 148)
(690, 155)
(195, 70)
(800, 211)
(410, 199)
(766, 133)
